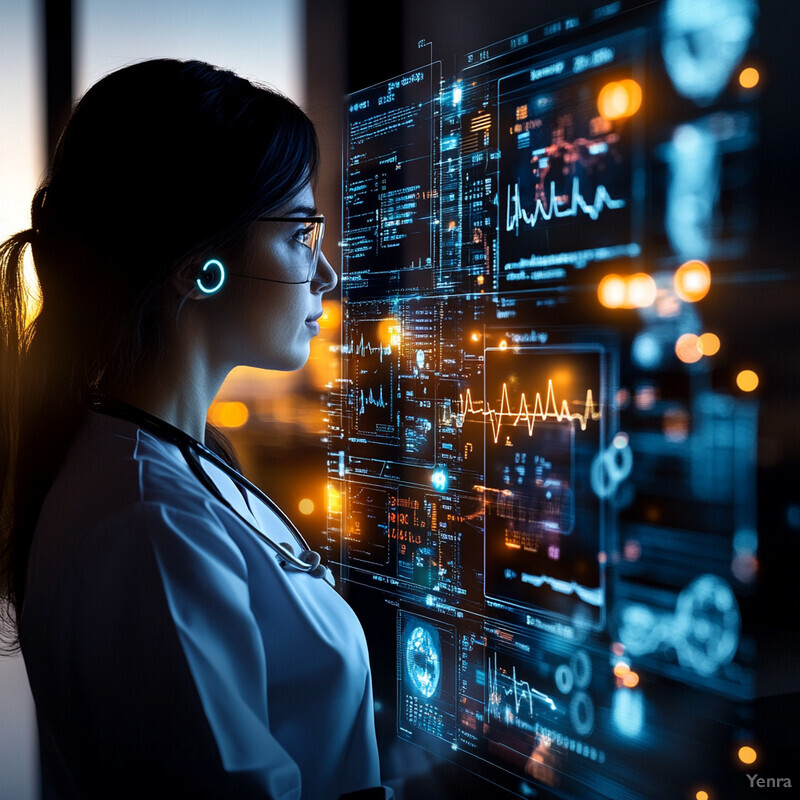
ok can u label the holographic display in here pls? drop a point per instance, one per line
(544, 496)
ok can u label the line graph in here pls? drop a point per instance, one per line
(576, 203)
(542, 410)
(522, 691)
(367, 348)
(371, 400)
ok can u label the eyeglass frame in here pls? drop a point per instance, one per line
(319, 220)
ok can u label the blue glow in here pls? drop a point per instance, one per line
(456, 95)
(440, 479)
(703, 43)
(212, 263)
(646, 351)
(628, 712)
(745, 541)
(423, 661)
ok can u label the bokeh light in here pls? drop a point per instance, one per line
(747, 755)
(611, 291)
(619, 99)
(228, 414)
(641, 290)
(686, 348)
(748, 78)
(331, 314)
(708, 344)
(701, 795)
(306, 506)
(692, 281)
(630, 680)
(747, 380)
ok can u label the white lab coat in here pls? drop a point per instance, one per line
(170, 654)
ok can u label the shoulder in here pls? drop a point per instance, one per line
(119, 479)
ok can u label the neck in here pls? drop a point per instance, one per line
(178, 390)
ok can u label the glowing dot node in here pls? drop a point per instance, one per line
(503, 344)
(701, 795)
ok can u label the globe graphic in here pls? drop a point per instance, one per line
(423, 662)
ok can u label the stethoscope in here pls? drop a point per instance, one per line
(308, 561)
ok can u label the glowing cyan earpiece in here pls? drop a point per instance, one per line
(211, 277)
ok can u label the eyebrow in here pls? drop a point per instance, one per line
(308, 211)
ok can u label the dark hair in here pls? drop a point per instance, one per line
(161, 163)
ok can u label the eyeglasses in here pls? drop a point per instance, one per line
(309, 236)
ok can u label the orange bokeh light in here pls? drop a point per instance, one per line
(306, 506)
(686, 348)
(641, 290)
(228, 414)
(630, 680)
(748, 78)
(619, 99)
(708, 344)
(747, 380)
(747, 754)
(692, 281)
(627, 291)
(611, 291)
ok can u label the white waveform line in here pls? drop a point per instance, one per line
(363, 348)
(602, 199)
(516, 689)
(370, 400)
(541, 411)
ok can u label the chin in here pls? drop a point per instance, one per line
(293, 361)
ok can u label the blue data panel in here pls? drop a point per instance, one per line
(542, 495)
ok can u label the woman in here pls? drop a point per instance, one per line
(180, 639)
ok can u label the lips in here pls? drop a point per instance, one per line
(314, 318)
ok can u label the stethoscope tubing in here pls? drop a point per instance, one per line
(190, 449)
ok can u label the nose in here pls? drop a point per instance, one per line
(325, 278)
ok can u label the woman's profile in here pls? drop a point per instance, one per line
(180, 638)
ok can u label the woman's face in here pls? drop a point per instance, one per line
(270, 323)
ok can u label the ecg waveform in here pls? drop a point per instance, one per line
(363, 348)
(371, 400)
(602, 199)
(542, 410)
(522, 691)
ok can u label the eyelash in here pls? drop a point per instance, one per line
(300, 235)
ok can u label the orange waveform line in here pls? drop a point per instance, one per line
(542, 410)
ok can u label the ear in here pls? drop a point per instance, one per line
(198, 283)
